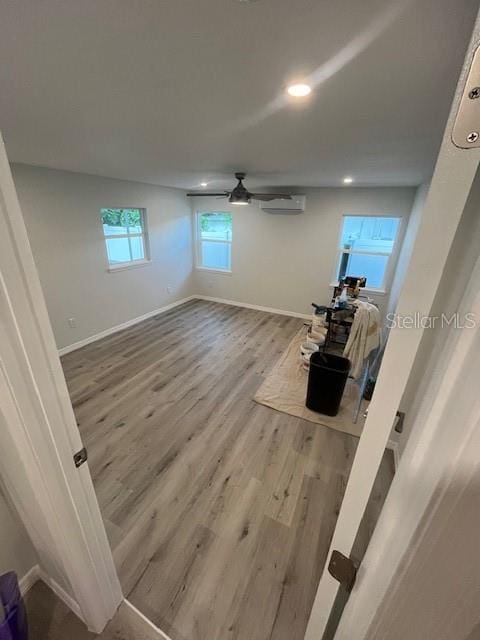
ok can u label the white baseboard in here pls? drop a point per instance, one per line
(234, 303)
(129, 323)
(35, 574)
(29, 579)
(60, 592)
(393, 445)
(160, 633)
(119, 327)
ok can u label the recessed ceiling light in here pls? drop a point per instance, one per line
(204, 184)
(299, 90)
(348, 180)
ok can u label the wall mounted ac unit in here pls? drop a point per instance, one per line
(295, 205)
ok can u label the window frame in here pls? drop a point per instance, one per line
(128, 264)
(391, 257)
(198, 244)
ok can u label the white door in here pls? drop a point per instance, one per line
(445, 202)
(39, 434)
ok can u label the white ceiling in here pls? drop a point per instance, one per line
(175, 92)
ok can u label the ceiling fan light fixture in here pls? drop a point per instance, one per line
(299, 90)
(239, 199)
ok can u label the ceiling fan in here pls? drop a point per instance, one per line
(241, 195)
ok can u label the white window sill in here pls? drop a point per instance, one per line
(129, 265)
(373, 292)
(224, 272)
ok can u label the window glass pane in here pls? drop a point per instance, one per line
(371, 267)
(118, 250)
(216, 255)
(122, 221)
(369, 233)
(215, 226)
(136, 246)
(133, 218)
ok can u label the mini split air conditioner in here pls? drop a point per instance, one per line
(295, 205)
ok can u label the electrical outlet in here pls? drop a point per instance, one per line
(72, 323)
(170, 288)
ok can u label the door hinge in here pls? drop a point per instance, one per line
(80, 457)
(343, 569)
(400, 420)
(466, 129)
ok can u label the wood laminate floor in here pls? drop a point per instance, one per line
(219, 510)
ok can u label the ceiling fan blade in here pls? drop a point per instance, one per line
(223, 194)
(267, 197)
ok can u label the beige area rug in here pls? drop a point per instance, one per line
(285, 389)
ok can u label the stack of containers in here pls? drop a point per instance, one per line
(318, 330)
(315, 338)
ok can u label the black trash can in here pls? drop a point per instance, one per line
(327, 378)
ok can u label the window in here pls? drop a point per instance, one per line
(125, 236)
(365, 248)
(214, 241)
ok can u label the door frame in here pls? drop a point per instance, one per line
(439, 467)
(449, 189)
(39, 434)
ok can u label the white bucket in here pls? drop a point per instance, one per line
(318, 320)
(308, 347)
(306, 360)
(317, 337)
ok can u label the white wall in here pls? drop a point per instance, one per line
(287, 261)
(279, 261)
(407, 247)
(16, 551)
(62, 215)
(461, 259)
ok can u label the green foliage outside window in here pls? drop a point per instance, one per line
(122, 217)
(215, 222)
